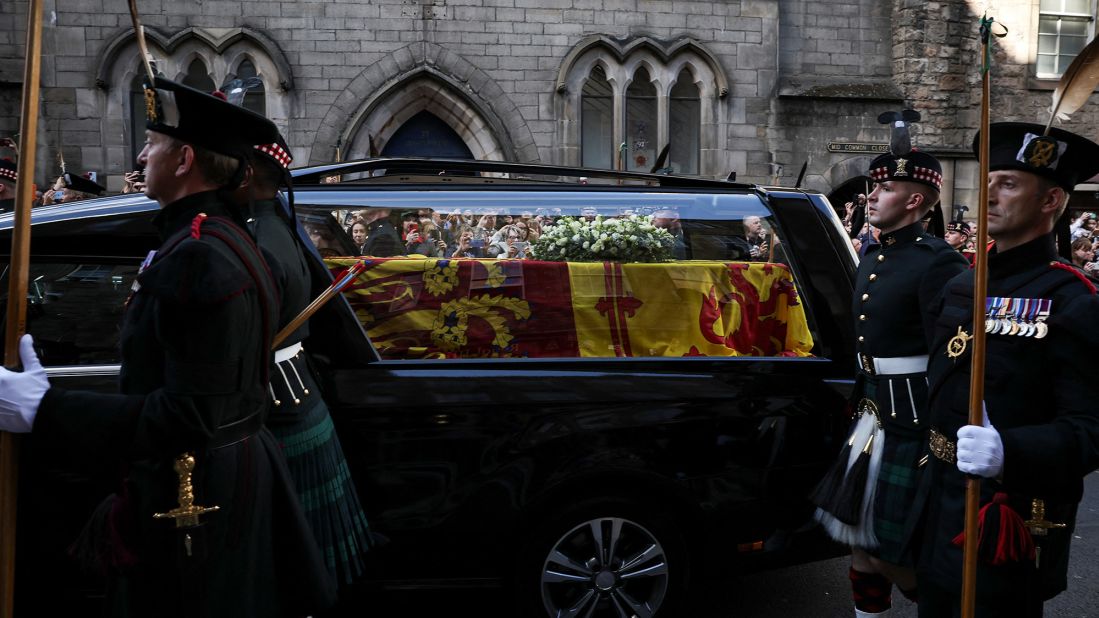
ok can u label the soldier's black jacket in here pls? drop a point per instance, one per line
(290, 267)
(896, 285)
(1042, 397)
(195, 348)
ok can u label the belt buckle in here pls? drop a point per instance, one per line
(942, 447)
(867, 363)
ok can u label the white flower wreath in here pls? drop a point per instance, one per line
(631, 238)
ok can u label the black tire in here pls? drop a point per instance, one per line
(640, 569)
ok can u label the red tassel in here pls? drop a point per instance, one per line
(196, 223)
(1002, 535)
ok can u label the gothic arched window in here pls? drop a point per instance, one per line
(685, 119)
(198, 77)
(255, 99)
(641, 122)
(620, 105)
(597, 121)
(137, 119)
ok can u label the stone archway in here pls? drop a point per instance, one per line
(383, 116)
(437, 77)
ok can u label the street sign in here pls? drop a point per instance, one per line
(857, 147)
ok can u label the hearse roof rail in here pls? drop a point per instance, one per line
(470, 169)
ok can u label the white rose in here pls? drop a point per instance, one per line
(603, 236)
(562, 251)
(575, 225)
(586, 244)
(561, 242)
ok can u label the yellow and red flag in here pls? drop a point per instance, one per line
(440, 308)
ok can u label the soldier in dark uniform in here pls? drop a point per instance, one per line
(299, 417)
(8, 177)
(897, 281)
(1042, 433)
(382, 239)
(195, 345)
(957, 235)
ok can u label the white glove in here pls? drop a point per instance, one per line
(980, 450)
(22, 392)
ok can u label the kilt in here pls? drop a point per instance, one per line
(319, 470)
(902, 400)
(886, 522)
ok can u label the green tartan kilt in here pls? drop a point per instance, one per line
(902, 407)
(320, 472)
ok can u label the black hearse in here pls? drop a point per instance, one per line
(595, 435)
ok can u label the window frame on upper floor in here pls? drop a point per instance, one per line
(663, 66)
(1059, 18)
(1039, 50)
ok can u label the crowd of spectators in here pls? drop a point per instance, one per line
(496, 235)
(1085, 238)
(430, 233)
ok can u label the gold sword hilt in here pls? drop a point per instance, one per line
(187, 514)
(1038, 524)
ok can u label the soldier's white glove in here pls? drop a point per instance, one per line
(980, 450)
(22, 392)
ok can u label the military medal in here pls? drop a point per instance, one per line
(1001, 322)
(992, 304)
(998, 321)
(1029, 309)
(1023, 319)
(1012, 316)
(957, 344)
(1044, 306)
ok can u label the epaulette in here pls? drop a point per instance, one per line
(1065, 266)
(196, 269)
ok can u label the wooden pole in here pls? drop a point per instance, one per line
(977, 360)
(17, 295)
(337, 286)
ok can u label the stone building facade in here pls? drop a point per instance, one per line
(756, 87)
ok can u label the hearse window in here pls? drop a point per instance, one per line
(74, 310)
(541, 274)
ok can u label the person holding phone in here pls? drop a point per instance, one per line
(509, 246)
(134, 182)
(424, 239)
(466, 247)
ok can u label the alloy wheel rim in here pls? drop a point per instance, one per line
(605, 567)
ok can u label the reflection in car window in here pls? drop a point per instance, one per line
(74, 311)
(477, 287)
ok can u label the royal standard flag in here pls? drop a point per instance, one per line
(440, 308)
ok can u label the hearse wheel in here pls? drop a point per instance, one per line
(609, 559)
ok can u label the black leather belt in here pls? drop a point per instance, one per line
(231, 433)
